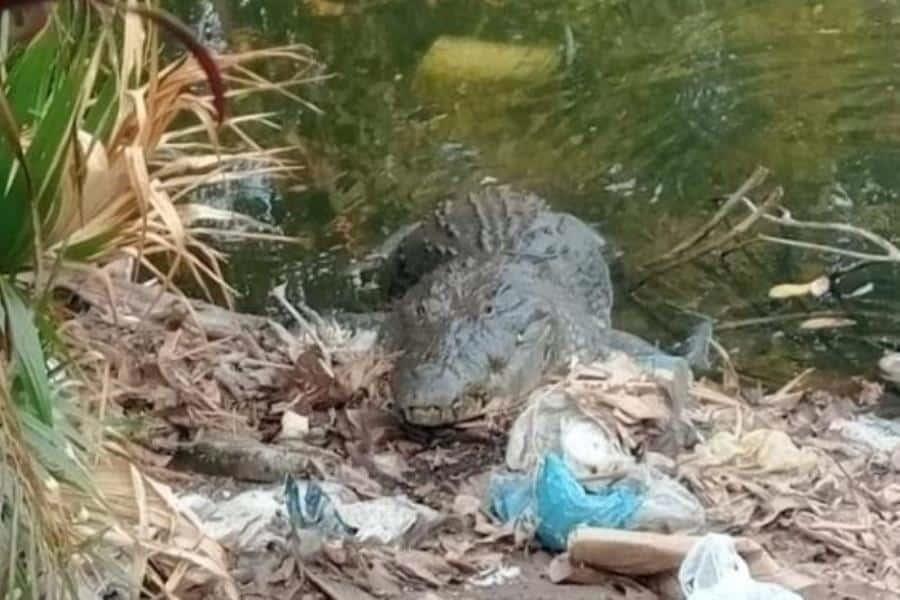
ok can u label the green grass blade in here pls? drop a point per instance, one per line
(49, 447)
(99, 119)
(16, 194)
(55, 132)
(27, 351)
(31, 75)
(9, 128)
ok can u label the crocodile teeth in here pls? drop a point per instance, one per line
(427, 416)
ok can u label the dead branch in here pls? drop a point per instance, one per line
(752, 182)
(891, 252)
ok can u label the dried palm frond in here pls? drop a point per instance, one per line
(135, 187)
(97, 160)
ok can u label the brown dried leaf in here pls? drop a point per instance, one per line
(381, 581)
(465, 505)
(427, 567)
(846, 591)
(391, 464)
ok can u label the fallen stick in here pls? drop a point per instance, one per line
(246, 459)
(127, 298)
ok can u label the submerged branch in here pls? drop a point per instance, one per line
(891, 252)
(754, 181)
(691, 249)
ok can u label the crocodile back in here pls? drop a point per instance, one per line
(502, 220)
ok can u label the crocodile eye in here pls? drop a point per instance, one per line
(420, 310)
(489, 309)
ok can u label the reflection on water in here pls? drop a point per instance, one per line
(656, 109)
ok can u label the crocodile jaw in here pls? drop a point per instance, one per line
(464, 409)
(428, 394)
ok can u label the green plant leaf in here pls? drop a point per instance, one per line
(49, 446)
(99, 118)
(55, 131)
(25, 346)
(31, 75)
(178, 29)
(15, 203)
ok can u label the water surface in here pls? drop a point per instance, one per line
(652, 112)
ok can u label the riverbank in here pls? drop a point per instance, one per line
(223, 405)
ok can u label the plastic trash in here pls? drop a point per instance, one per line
(696, 349)
(666, 505)
(889, 367)
(554, 424)
(387, 520)
(247, 522)
(770, 450)
(511, 496)
(314, 509)
(557, 503)
(713, 570)
(874, 433)
(312, 512)
(641, 553)
(316, 514)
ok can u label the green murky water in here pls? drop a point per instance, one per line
(647, 114)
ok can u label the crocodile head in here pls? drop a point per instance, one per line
(471, 333)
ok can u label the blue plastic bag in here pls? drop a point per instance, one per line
(559, 503)
(511, 495)
(313, 509)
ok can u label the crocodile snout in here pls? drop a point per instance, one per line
(428, 396)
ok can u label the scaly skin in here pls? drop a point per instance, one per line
(499, 220)
(470, 333)
(495, 292)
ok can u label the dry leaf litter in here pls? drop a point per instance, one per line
(226, 406)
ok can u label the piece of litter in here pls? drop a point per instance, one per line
(293, 426)
(621, 187)
(713, 570)
(872, 432)
(826, 323)
(815, 288)
(771, 450)
(385, 520)
(495, 577)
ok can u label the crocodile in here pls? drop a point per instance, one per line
(492, 292)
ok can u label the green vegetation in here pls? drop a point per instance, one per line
(98, 156)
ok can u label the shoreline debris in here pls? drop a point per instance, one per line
(805, 506)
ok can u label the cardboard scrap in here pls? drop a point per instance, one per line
(640, 553)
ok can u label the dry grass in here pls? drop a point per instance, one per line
(102, 191)
(136, 188)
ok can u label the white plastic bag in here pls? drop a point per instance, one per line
(667, 506)
(713, 570)
(555, 423)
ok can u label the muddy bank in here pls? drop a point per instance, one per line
(220, 404)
